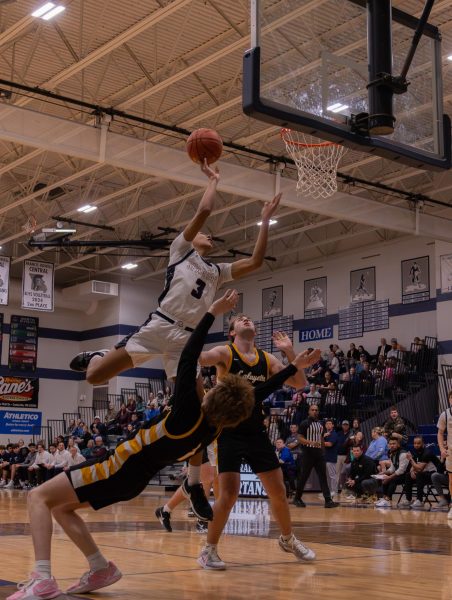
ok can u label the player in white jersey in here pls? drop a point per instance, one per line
(445, 445)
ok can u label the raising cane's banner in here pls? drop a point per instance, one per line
(19, 391)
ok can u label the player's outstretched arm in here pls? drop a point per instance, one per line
(247, 265)
(206, 204)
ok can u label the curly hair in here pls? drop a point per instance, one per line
(229, 402)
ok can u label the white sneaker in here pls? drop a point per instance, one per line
(9, 486)
(442, 503)
(350, 498)
(384, 504)
(417, 504)
(209, 559)
(2, 482)
(405, 503)
(449, 514)
(297, 548)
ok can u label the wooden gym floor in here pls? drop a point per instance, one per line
(361, 553)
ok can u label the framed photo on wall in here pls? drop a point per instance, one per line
(446, 273)
(415, 280)
(362, 285)
(272, 301)
(228, 316)
(315, 298)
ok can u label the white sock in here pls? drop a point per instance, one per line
(167, 509)
(42, 567)
(286, 538)
(97, 561)
(194, 474)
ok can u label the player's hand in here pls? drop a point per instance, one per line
(269, 208)
(444, 453)
(306, 359)
(213, 175)
(282, 341)
(226, 303)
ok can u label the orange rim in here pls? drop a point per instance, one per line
(304, 145)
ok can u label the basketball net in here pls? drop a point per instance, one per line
(30, 225)
(316, 163)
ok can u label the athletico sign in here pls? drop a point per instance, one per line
(19, 422)
(19, 392)
(311, 335)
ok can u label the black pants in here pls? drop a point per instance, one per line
(422, 479)
(312, 458)
(390, 487)
(366, 486)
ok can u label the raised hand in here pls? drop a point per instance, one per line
(306, 359)
(282, 341)
(211, 173)
(269, 208)
(226, 303)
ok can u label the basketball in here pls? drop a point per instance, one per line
(204, 144)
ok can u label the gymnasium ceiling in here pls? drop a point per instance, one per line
(178, 62)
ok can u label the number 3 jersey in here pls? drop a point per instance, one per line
(191, 283)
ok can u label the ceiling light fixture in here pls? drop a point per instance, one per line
(57, 230)
(129, 266)
(47, 11)
(87, 208)
(271, 222)
(449, 57)
(337, 107)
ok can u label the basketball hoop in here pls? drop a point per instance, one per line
(316, 163)
(30, 225)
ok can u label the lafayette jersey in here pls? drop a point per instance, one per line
(255, 372)
(191, 283)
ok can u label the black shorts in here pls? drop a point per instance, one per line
(127, 483)
(254, 449)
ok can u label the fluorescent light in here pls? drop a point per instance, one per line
(129, 266)
(57, 230)
(271, 222)
(338, 107)
(334, 106)
(449, 57)
(53, 13)
(87, 208)
(43, 10)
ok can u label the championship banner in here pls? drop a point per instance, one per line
(5, 262)
(20, 392)
(20, 422)
(23, 343)
(37, 285)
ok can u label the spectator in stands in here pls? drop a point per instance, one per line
(160, 398)
(37, 470)
(152, 410)
(334, 405)
(335, 366)
(74, 459)
(342, 448)
(110, 416)
(395, 426)
(78, 431)
(352, 354)
(22, 469)
(5, 462)
(396, 350)
(99, 451)
(71, 443)
(360, 365)
(167, 394)
(70, 428)
(330, 442)
(327, 379)
(360, 482)
(88, 451)
(60, 461)
(382, 349)
(356, 426)
(378, 447)
(314, 373)
(293, 443)
(313, 396)
(82, 440)
(98, 428)
(140, 407)
(394, 473)
(366, 380)
(134, 421)
(362, 350)
(15, 459)
(131, 405)
(287, 462)
(49, 464)
(123, 417)
(423, 463)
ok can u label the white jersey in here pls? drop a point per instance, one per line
(191, 283)
(445, 423)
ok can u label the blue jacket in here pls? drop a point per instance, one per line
(378, 449)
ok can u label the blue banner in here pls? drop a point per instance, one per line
(20, 422)
(312, 335)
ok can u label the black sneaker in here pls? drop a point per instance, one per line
(299, 502)
(81, 361)
(331, 504)
(201, 526)
(164, 517)
(199, 503)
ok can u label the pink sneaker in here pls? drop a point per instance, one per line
(36, 588)
(94, 580)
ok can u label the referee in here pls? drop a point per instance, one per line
(313, 455)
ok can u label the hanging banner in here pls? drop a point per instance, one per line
(20, 422)
(23, 343)
(5, 262)
(37, 285)
(20, 392)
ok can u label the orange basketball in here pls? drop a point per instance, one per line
(204, 144)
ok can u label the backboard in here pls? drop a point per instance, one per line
(308, 69)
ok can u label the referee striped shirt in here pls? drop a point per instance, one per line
(312, 430)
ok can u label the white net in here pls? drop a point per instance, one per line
(316, 163)
(30, 225)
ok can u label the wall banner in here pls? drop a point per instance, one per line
(5, 262)
(38, 285)
(19, 392)
(20, 422)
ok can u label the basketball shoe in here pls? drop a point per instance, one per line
(297, 548)
(164, 517)
(209, 559)
(95, 580)
(36, 588)
(81, 361)
(199, 503)
(201, 526)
